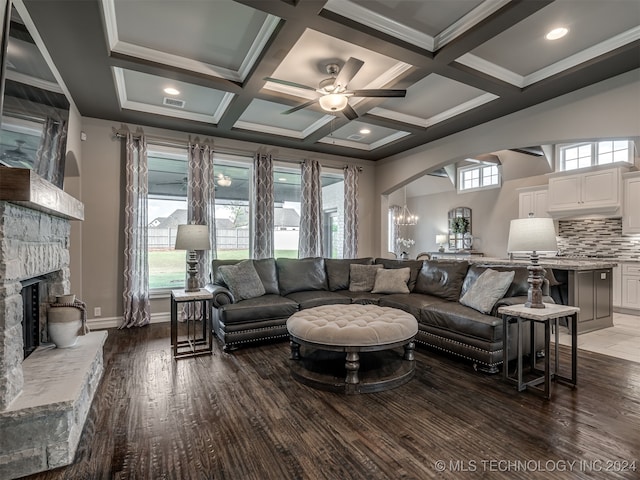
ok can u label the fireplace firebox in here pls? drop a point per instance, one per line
(31, 314)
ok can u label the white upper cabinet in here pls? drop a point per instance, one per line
(631, 209)
(597, 191)
(533, 200)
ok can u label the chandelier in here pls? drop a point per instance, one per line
(405, 217)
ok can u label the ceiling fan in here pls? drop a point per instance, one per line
(334, 95)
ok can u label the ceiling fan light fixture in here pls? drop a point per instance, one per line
(333, 102)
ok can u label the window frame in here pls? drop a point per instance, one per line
(595, 153)
(479, 167)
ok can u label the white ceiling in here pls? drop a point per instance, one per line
(462, 63)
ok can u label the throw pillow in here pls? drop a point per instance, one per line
(393, 280)
(362, 277)
(490, 287)
(242, 279)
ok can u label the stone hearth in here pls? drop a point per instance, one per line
(45, 399)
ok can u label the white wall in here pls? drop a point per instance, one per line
(607, 109)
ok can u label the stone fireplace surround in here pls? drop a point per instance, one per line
(44, 401)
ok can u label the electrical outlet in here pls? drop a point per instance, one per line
(97, 312)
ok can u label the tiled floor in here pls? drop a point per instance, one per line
(621, 341)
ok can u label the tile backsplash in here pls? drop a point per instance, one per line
(601, 236)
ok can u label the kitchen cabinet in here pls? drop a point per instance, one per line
(591, 290)
(617, 286)
(631, 205)
(631, 286)
(596, 191)
(533, 200)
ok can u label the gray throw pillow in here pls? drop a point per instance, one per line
(243, 280)
(362, 277)
(392, 280)
(490, 287)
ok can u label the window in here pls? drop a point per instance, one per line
(588, 154)
(478, 177)
(167, 207)
(232, 206)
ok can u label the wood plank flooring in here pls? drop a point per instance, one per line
(241, 416)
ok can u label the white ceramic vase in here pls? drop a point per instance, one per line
(64, 322)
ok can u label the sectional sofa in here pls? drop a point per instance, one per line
(432, 292)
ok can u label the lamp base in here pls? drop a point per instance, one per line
(441, 249)
(192, 270)
(535, 280)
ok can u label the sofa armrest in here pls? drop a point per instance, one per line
(221, 295)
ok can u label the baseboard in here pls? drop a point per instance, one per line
(102, 323)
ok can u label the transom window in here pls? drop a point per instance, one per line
(589, 154)
(478, 177)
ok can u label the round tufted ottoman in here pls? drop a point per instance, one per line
(352, 329)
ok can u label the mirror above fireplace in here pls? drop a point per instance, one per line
(35, 110)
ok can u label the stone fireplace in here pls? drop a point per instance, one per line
(45, 398)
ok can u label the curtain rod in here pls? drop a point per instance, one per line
(229, 151)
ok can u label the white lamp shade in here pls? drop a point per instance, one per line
(532, 234)
(441, 238)
(333, 102)
(192, 237)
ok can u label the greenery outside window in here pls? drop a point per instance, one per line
(588, 154)
(478, 177)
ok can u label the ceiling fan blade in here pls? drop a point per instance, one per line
(380, 92)
(299, 107)
(349, 112)
(348, 71)
(289, 84)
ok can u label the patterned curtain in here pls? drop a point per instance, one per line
(201, 203)
(51, 154)
(263, 202)
(310, 239)
(136, 261)
(351, 174)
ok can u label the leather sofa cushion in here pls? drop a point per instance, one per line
(266, 269)
(267, 306)
(463, 320)
(412, 303)
(315, 298)
(299, 275)
(519, 286)
(267, 272)
(414, 268)
(338, 271)
(442, 278)
(362, 298)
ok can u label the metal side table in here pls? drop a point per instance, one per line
(193, 345)
(548, 316)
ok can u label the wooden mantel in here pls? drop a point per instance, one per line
(24, 187)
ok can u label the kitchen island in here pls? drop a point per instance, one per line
(581, 282)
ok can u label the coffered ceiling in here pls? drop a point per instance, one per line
(462, 63)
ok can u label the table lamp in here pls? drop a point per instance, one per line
(533, 235)
(192, 238)
(441, 239)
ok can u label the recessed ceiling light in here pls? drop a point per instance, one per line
(365, 131)
(171, 91)
(282, 179)
(556, 33)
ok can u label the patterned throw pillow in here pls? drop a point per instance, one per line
(392, 280)
(362, 277)
(490, 287)
(243, 280)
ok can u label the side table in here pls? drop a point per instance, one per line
(193, 345)
(548, 316)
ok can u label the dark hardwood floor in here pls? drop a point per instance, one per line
(241, 416)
